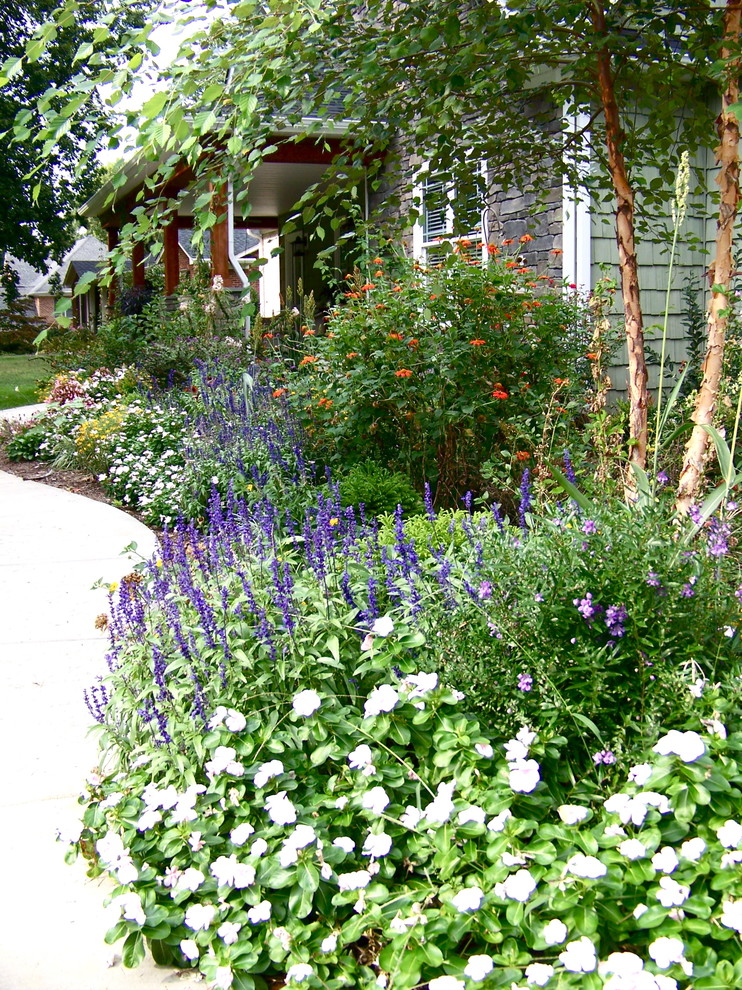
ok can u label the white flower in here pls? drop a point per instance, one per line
(472, 814)
(640, 773)
(666, 860)
(224, 761)
(382, 699)
(231, 873)
(485, 750)
(345, 843)
(360, 757)
(184, 810)
(375, 800)
(354, 881)
(148, 819)
(223, 978)
(299, 972)
(554, 932)
(517, 887)
(241, 833)
(671, 893)
(280, 810)
(524, 776)
(662, 983)
(714, 727)
(571, 814)
(497, 824)
(731, 859)
(382, 981)
(446, 983)
(478, 967)
(539, 973)
(367, 642)
(199, 917)
(579, 956)
(515, 750)
(382, 626)
(441, 807)
(632, 849)
(267, 771)
(110, 802)
(235, 721)
(259, 847)
(614, 832)
(687, 745)
(189, 948)
(731, 916)
(411, 816)
(330, 943)
(696, 688)
(341, 803)
(283, 935)
(730, 834)
(507, 859)
(586, 866)
(306, 703)
(287, 856)
(421, 684)
(667, 951)
(639, 910)
(468, 899)
(130, 906)
(693, 849)
(229, 932)
(190, 879)
(261, 912)
(377, 845)
(625, 964)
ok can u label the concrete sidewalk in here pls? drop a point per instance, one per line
(53, 546)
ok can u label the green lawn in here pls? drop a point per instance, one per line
(18, 376)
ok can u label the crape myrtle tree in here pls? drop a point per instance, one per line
(41, 192)
(455, 82)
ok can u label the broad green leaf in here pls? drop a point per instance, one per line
(155, 103)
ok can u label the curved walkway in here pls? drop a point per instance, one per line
(53, 547)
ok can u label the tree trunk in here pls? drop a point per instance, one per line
(627, 262)
(720, 272)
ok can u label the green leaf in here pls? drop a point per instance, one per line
(154, 104)
(583, 502)
(132, 952)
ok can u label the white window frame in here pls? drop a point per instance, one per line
(576, 221)
(421, 247)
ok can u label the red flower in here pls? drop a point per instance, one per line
(309, 359)
(500, 394)
(413, 343)
(351, 354)
(522, 455)
(396, 288)
(396, 336)
(377, 261)
(477, 343)
(403, 373)
(278, 393)
(525, 238)
(508, 240)
(367, 286)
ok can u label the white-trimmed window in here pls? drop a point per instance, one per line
(436, 225)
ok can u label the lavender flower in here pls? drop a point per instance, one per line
(717, 542)
(604, 756)
(653, 580)
(525, 682)
(526, 499)
(662, 477)
(615, 616)
(586, 607)
(589, 527)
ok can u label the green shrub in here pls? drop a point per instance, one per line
(378, 490)
(26, 444)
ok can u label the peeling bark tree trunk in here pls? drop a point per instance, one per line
(727, 157)
(627, 262)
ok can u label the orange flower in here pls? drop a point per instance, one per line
(325, 402)
(403, 373)
(433, 296)
(278, 393)
(561, 381)
(309, 333)
(367, 286)
(508, 240)
(592, 356)
(413, 343)
(561, 409)
(525, 238)
(511, 264)
(267, 336)
(348, 277)
(377, 261)
(379, 306)
(396, 288)
(351, 354)
(493, 249)
(522, 455)
(500, 394)
(556, 251)
(396, 336)
(477, 343)
(467, 302)
(309, 359)
(378, 274)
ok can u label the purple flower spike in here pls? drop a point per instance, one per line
(525, 682)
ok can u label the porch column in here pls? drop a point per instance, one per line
(220, 235)
(172, 264)
(112, 236)
(138, 276)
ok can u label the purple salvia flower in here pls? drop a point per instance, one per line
(525, 682)
(525, 499)
(615, 616)
(428, 498)
(568, 469)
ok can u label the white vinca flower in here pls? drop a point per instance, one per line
(632, 849)
(189, 948)
(306, 703)
(261, 912)
(345, 843)
(693, 849)
(731, 915)
(468, 899)
(280, 810)
(354, 881)
(555, 932)
(579, 956)
(229, 932)
(375, 800)
(199, 917)
(571, 814)
(730, 834)
(259, 847)
(411, 816)
(478, 967)
(190, 879)
(441, 807)
(498, 823)
(223, 978)
(382, 699)
(588, 867)
(485, 750)
(640, 773)
(360, 757)
(622, 964)
(299, 972)
(130, 906)
(671, 893)
(539, 973)
(666, 860)
(446, 983)
(524, 776)
(224, 761)
(330, 943)
(266, 772)
(241, 833)
(229, 872)
(517, 887)
(472, 814)
(667, 952)
(689, 746)
(383, 626)
(420, 684)
(377, 845)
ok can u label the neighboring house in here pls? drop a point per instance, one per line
(88, 254)
(26, 277)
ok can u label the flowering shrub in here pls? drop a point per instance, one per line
(431, 370)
